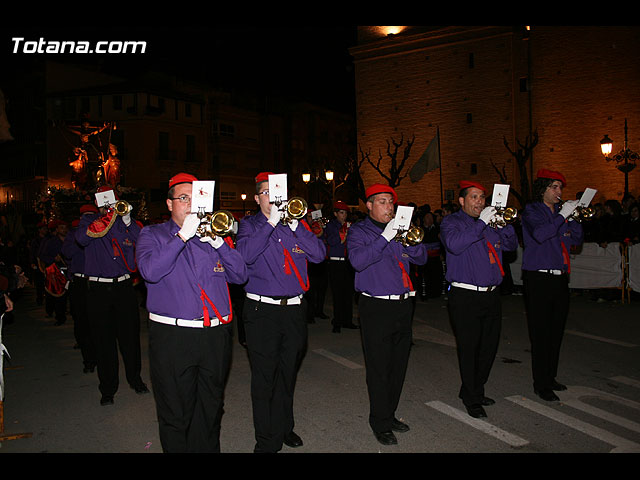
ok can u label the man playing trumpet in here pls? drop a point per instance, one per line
(190, 330)
(274, 312)
(474, 241)
(382, 277)
(548, 232)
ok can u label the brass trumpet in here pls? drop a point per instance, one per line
(218, 224)
(581, 212)
(410, 237)
(122, 207)
(295, 209)
(504, 215)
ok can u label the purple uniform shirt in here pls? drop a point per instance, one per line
(263, 248)
(469, 257)
(334, 246)
(73, 253)
(377, 263)
(112, 255)
(175, 271)
(49, 249)
(544, 233)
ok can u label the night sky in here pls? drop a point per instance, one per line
(306, 62)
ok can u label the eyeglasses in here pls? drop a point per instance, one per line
(182, 198)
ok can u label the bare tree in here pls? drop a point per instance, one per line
(394, 175)
(522, 156)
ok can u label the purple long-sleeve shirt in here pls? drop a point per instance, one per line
(469, 258)
(263, 248)
(335, 246)
(544, 232)
(174, 272)
(73, 253)
(111, 255)
(377, 262)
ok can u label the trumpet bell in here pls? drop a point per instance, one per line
(414, 236)
(122, 207)
(218, 224)
(296, 209)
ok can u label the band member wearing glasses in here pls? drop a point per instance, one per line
(190, 329)
(474, 246)
(549, 232)
(382, 278)
(112, 303)
(274, 313)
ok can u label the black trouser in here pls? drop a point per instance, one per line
(386, 339)
(81, 329)
(476, 319)
(115, 322)
(276, 342)
(56, 305)
(318, 282)
(189, 368)
(547, 304)
(342, 290)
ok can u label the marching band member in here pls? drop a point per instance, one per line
(74, 254)
(274, 313)
(341, 273)
(548, 233)
(190, 332)
(112, 303)
(50, 255)
(382, 277)
(474, 270)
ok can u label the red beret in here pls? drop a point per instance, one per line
(263, 177)
(181, 178)
(88, 208)
(466, 184)
(544, 173)
(379, 188)
(340, 205)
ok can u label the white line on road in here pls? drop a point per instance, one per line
(337, 358)
(627, 381)
(483, 426)
(620, 444)
(602, 339)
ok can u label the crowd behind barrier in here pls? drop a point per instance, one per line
(614, 266)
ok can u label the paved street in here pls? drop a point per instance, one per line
(49, 398)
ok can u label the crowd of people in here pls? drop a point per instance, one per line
(271, 277)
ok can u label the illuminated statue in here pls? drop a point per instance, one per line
(79, 169)
(111, 167)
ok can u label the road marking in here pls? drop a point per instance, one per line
(620, 444)
(483, 426)
(627, 381)
(602, 339)
(433, 335)
(337, 358)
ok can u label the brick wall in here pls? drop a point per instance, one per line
(467, 81)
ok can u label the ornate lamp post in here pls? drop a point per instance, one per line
(243, 196)
(625, 159)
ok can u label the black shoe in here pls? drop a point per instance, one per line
(486, 401)
(386, 438)
(335, 330)
(351, 325)
(476, 411)
(88, 368)
(106, 400)
(322, 316)
(292, 440)
(547, 395)
(141, 389)
(558, 387)
(398, 426)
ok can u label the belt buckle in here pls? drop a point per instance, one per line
(283, 301)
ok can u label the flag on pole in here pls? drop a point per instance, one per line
(429, 161)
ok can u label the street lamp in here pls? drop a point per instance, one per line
(243, 196)
(625, 159)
